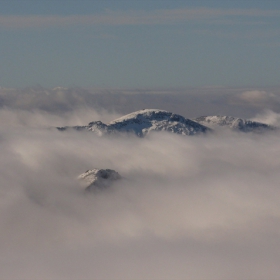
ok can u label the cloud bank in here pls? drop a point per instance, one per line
(187, 208)
(78, 106)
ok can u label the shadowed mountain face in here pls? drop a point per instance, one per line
(236, 124)
(143, 122)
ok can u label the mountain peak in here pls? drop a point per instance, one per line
(233, 123)
(145, 121)
(143, 114)
(99, 178)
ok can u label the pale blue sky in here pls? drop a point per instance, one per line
(138, 43)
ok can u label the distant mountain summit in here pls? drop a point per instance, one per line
(145, 121)
(233, 123)
(98, 179)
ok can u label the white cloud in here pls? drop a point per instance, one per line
(255, 96)
(259, 98)
(39, 118)
(268, 117)
(188, 207)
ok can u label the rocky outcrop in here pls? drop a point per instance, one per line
(98, 179)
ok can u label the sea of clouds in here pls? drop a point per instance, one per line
(203, 207)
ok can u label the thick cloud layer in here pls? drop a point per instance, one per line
(187, 208)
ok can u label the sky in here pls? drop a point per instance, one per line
(139, 44)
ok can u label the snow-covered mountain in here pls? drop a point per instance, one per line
(96, 179)
(143, 122)
(233, 123)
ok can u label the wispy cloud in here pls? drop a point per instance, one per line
(135, 17)
(246, 33)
